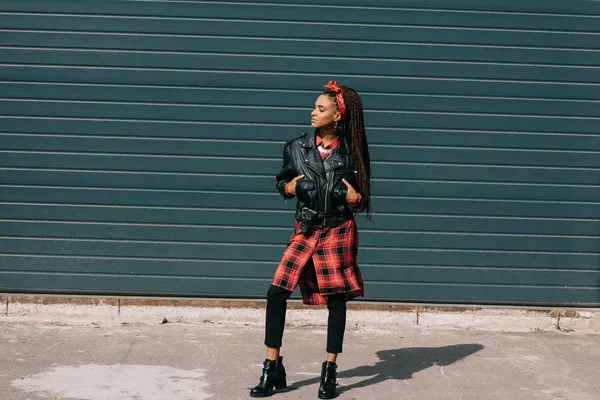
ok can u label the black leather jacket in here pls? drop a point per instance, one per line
(321, 189)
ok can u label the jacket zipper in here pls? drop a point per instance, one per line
(326, 197)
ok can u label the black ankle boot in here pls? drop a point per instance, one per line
(273, 376)
(328, 381)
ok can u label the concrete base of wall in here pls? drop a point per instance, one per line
(124, 310)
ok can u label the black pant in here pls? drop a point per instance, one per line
(276, 307)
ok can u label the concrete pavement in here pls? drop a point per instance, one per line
(147, 358)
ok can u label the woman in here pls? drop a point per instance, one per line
(328, 171)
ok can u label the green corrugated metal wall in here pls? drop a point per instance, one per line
(139, 142)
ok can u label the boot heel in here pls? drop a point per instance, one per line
(281, 383)
(268, 380)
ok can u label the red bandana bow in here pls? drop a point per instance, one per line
(335, 89)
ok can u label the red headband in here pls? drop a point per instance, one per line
(335, 89)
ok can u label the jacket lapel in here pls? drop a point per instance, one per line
(335, 160)
(312, 158)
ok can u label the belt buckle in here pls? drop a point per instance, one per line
(305, 214)
(308, 215)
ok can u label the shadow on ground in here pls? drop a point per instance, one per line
(399, 364)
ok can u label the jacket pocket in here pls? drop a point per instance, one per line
(305, 190)
(348, 174)
(305, 185)
(340, 190)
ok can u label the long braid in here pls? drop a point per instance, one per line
(352, 127)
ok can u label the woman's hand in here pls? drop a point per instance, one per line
(291, 186)
(352, 195)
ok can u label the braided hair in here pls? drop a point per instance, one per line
(352, 128)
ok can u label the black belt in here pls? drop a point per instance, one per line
(309, 217)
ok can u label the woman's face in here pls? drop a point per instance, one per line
(325, 112)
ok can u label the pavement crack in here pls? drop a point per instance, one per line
(561, 329)
(54, 345)
(445, 376)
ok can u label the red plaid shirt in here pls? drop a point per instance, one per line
(322, 263)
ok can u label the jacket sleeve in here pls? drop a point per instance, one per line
(286, 174)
